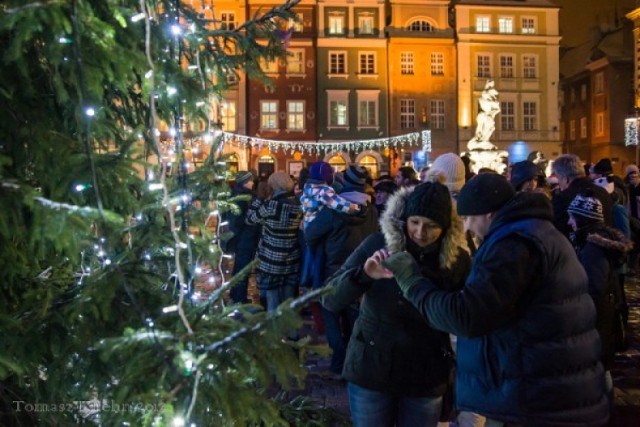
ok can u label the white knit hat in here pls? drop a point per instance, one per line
(451, 165)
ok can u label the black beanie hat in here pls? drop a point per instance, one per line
(431, 200)
(522, 172)
(603, 167)
(484, 193)
(355, 177)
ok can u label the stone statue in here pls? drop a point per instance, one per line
(489, 108)
(483, 153)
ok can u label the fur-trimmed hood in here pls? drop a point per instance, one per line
(611, 240)
(393, 229)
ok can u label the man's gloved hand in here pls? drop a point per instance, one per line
(404, 269)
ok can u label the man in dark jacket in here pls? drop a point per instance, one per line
(333, 236)
(528, 351)
(245, 237)
(571, 182)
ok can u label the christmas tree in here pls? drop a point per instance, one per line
(111, 267)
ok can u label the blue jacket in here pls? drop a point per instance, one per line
(528, 351)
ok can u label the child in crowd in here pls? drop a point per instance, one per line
(318, 193)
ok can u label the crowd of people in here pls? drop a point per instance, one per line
(474, 298)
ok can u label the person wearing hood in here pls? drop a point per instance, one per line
(397, 366)
(245, 237)
(528, 350)
(332, 237)
(601, 250)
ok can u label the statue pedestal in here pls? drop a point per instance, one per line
(494, 159)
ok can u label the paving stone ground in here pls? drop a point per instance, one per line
(332, 393)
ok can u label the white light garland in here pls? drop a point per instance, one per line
(631, 131)
(315, 146)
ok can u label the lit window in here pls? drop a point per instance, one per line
(228, 115)
(406, 62)
(337, 63)
(437, 114)
(295, 115)
(529, 115)
(295, 61)
(370, 164)
(583, 127)
(437, 64)
(368, 108)
(600, 124)
(297, 24)
(599, 85)
(269, 67)
(528, 25)
(407, 113)
(505, 25)
(367, 63)
(506, 66)
(482, 24)
(572, 130)
(365, 24)
(336, 24)
(338, 103)
(268, 114)
(507, 115)
(421, 25)
(529, 68)
(484, 66)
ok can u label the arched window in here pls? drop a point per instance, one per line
(338, 163)
(370, 163)
(421, 25)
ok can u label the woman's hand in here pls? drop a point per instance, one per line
(373, 266)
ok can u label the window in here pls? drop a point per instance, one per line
(437, 114)
(507, 115)
(295, 61)
(365, 23)
(368, 108)
(506, 66)
(295, 115)
(437, 64)
(406, 62)
(269, 67)
(407, 113)
(600, 124)
(572, 96)
(367, 63)
(337, 63)
(338, 101)
(505, 25)
(227, 20)
(599, 86)
(528, 25)
(482, 24)
(421, 25)
(268, 114)
(583, 92)
(583, 127)
(298, 24)
(529, 69)
(572, 130)
(529, 115)
(336, 24)
(370, 164)
(228, 116)
(484, 66)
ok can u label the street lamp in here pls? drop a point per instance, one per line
(631, 132)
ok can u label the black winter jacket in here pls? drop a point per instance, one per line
(392, 349)
(528, 351)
